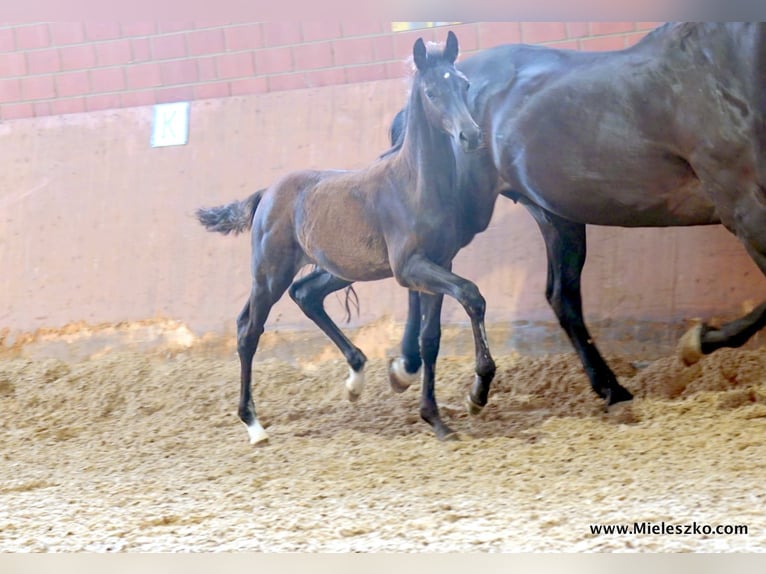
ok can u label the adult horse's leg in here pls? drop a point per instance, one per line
(702, 339)
(430, 338)
(419, 273)
(565, 245)
(250, 324)
(405, 370)
(309, 293)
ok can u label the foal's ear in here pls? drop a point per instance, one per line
(419, 54)
(451, 49)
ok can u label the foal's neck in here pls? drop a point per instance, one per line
(428, 152)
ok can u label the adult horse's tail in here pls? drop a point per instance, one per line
(234, 217)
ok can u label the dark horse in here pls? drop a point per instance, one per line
(669, 132)
(403, 216)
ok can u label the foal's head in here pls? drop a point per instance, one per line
(442, 89)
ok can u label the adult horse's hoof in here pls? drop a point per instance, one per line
(472, 408)
(690, 346)
(398, 377)
(617, 394)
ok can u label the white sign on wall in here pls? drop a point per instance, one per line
(170, 124)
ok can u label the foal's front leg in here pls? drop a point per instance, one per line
(421, 274)
(405, 370)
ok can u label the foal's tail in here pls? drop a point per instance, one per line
(234, 217)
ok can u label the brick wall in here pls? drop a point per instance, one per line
(59, 68)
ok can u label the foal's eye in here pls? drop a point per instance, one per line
(430, 94)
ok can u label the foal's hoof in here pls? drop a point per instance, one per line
(398, 377)
(258, 436)
(690, 346)
(472, 408)
(352, 390)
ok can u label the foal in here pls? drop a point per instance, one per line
(401, 216)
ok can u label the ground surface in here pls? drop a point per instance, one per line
(143, 452)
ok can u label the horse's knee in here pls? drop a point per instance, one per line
(472, 299)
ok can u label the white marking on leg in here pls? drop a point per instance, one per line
(354, 383)
(256, 433)
(405, 379)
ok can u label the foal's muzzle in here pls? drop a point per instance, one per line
(470, 138)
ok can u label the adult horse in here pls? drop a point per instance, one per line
(403, 216)
(669, 132)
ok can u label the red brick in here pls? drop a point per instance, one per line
(138, 29)
(566, 45)
(398, 69)
(140, 50)
(604, 43)
(601, 28)
(632, 39)
(206, 69)
(164, 47)
(174, 94)
(467, 36)
(315, 31)
(577, 29)
(17, 111)
(353, 51)
(205, 42)
(42, 109)
(313, 56)
(63, 33)
(77, 57)
(199, 24)
(107, 80)
(68, 106)
(116, 53)
(287, 82)
(10, 90)
(208, 91)
(31, 37)
(102, 102)
(648, 25)
(37, 88)
(72, 84)
(363, 28)
(102, 30)
(368, 73)
(165, 27)
(541, 32)
(382, 48)
(249, 86)
(404, 41)
(7, 40)
(331, 77)
(178, 72)
(43, 61)
(273, 61)
(237, 65)
(281, 33)
(13, 64)
(246, 37)
(143, 76)
(141, 98)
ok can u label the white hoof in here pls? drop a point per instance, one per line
(403, 379)
(354, 384)
(690, 345)
(256, 433)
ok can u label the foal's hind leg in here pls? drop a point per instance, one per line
(566, 248)
(309, 293)
(250, 324)
(405, 370)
